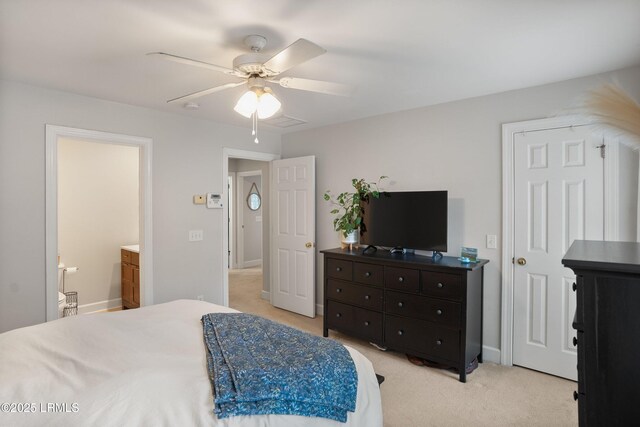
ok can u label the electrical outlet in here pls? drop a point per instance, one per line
(196, 235)
(492, 241)
(200, 297)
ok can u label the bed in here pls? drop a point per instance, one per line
(136, 367)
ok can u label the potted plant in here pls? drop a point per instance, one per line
(347, 207)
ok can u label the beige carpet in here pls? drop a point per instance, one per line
(493, 395)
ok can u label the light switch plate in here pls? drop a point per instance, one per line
(196, 235)
(492, 241)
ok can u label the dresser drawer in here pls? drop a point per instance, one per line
(359, 322)
(422, 338)
(403, 279)
(442, 284)
(582, 364)
(364, 296)
(340, 269)
(369, 274)
(135, 258)
(435, 310)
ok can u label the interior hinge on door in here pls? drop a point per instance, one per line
(602, 150)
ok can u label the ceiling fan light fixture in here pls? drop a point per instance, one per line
(247, 104)
(268, 105)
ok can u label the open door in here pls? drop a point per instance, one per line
(293, 235)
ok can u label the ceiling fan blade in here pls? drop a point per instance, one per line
(196, 63)
(319, 86)
(205, 92)
(296, 53)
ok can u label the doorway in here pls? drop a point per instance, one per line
(256, 278)
(79, 141)
(98, 214)
(558, 184)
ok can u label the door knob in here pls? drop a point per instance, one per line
(308, 245)
(522, 261)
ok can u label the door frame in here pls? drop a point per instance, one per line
(52, 134)
(232, 153)
(240, 206)
(232, 222)
(509, 130)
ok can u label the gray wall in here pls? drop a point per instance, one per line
(98, 211)
(187, 160)
(454, 146)
(252, 244)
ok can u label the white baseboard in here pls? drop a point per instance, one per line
(99, 306)
(490, 354)
(252, 263)
(266, 295)
(319, 310)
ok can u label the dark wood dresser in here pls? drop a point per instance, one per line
(608, 323)
(409, 303)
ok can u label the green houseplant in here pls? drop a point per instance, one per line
(346, 207)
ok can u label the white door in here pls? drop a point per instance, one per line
(293, 235)
(559, 197)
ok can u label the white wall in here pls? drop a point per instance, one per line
(628, 194)
(455, 147)
(98, 211)
(187, 160)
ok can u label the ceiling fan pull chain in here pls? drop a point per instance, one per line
(255, 126)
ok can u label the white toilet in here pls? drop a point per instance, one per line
(61, 297)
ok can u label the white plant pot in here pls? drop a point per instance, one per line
(350, 238)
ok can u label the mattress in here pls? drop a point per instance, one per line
(134, 368)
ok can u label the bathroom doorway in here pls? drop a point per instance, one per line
(98, 221)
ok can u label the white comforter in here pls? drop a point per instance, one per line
(144, 367)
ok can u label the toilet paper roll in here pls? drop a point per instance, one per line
(71, 270)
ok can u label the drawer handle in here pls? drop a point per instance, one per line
(400, 332)
(574, 286)
(439, 312)
(439, 342)
(338, 314)
(366, 323)
(338, 269)
(400, 304)
(338, 290)
(440, 285)
(575, 395)
(367, 274)
(400, 279)
(367, 297)
(575, 341)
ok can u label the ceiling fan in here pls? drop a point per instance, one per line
(256, 70)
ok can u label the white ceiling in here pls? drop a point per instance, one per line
(397, 54)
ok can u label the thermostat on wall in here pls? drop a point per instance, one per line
(214, 201)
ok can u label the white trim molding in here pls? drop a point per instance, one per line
(52, 134)
(509, 130)
(232, 153)
(99, 306)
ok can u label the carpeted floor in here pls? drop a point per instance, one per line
(494, 395)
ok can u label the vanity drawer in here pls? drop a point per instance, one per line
(369, 274)
(360, 322)
(442, 285)
(420, 337)
(432, 309)
(403, 279)
(340, 269)
(364, 296)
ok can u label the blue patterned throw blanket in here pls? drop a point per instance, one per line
(259, 367)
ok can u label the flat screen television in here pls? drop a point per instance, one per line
(406, 219)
